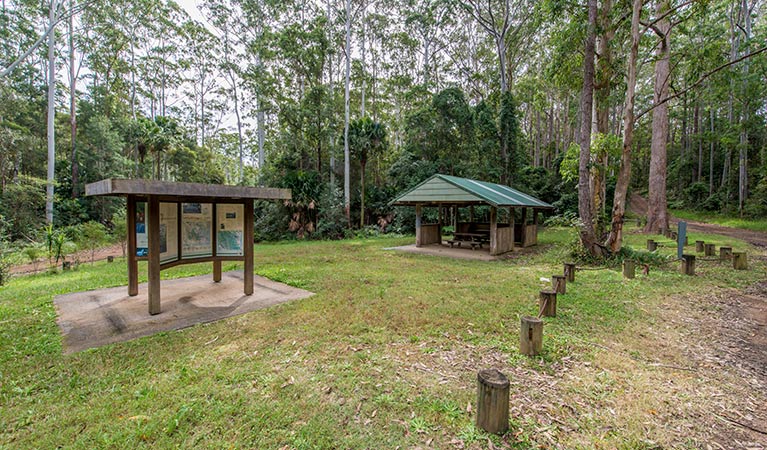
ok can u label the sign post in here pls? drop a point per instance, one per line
(681, 239)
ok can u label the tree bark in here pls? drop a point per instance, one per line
(587, 233)
(72, 103)
(657, 214)
(51, 114)
(615, 238)
(347, 191)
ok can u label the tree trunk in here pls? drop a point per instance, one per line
(657, 215)
(51, 114)
(711, 156)
(72, 102)
(588, 236)
(347, 48)
(363, 163)
(615, 239)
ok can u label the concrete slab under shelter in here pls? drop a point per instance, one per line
(95, 318)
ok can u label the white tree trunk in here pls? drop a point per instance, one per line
(51, 114)
(347, 190)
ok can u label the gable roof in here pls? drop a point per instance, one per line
(456, 190)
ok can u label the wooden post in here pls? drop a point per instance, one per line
(493, 230)
(725, 253)
(688, 265)
(247, 242)
(492, 401)
(471, 213)
(709, 250)
(651, 245)
(511, 227)
(547, 303)
(132, 262)
(440, 222)
(570, 272)
(739, 260)
(110, 259)
(418, 212)
(629, 269)
(559, 284)
(530, 336)
(686, 240)
(699, 246)
(153, 235)
(524, 227)
(214, 244)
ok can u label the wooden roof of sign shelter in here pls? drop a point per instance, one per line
(167, 190)
(447, 189)
(153, 193)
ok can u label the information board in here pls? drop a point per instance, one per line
(168, 232)
(196, 230)
(142, 241)
(230, 227)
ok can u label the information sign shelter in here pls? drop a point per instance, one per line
(172, 223)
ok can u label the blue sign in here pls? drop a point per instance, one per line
(681, 239)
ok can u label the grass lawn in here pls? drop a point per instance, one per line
(385, 355)
(718, 219)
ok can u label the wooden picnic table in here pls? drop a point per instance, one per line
(475, 239)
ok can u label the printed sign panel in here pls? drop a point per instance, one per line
(142, 241)
(168, 232)
(230, 228)
(196, 230)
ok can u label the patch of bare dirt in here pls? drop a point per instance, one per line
(638, 206)
(83, 256)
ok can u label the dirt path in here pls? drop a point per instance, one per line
(83, 255)
(732, 329)
(638, 206)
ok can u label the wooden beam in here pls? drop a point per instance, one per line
(247, 244)
(153, 231)
(132, 262)
(167, 188)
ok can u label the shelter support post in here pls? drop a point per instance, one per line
(440, 223)
(455, 218)
(493, 230)
(132, 262)
(511, 226)
(418, 212)
(247, 242)
(153, 231)
(214, 246)
(524, 226)
(216, 271)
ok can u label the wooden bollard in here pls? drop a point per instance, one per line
(110, 258)
(739, 260)
(688, 265)
(547, 303)
(492, 401)
(530, 336)
(651, 245)
(570, 272)
(66, 265)
(686, 240)
(709, 250)
(629, 269)
(699, 246)
(725, 253)
(559, 284)
(673, 235)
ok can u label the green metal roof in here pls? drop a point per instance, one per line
(456, 190)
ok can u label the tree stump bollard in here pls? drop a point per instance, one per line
(688, 265)
(110, 258)
(739, 261)
(629, 269)
(559, 284)
(530, 336)
(686, 240)
(547, 304)
(492, 401)
(673, 236)
(651, 245)
(725, 253)
(66, 265)
(570, 272)
(699, 246)
(709, 250)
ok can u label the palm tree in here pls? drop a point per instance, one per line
(367, 139)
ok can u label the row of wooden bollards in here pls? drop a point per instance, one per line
(531, 328)
(687, 267)
(492, 385)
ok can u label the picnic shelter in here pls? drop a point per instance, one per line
(452, 195)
